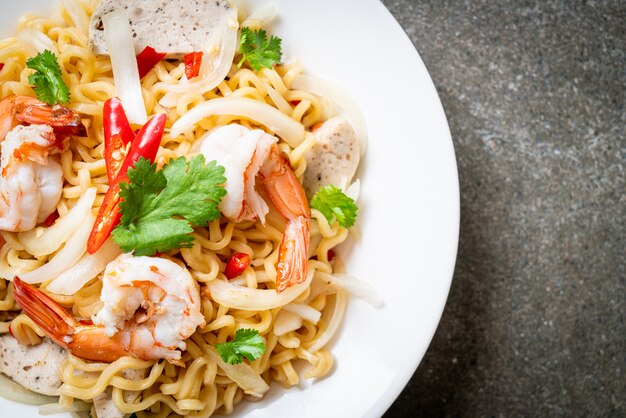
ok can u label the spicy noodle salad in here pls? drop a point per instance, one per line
(173, 189)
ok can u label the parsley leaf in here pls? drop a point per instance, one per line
(247, 343)
(160, 208)
(333, 203)
(257, 50)
(47, 81)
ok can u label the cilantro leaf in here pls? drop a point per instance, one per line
(160, 208)
(47, 81)
(257, 50)
(247, 343)
(333, 203)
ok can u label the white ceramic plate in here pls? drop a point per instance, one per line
(409, 204)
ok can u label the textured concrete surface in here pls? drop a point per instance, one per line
(534, 94)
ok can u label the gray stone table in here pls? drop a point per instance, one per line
(534, 94)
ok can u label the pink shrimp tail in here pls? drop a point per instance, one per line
(286, 193)
(63, 120)
(293, 254)
(83, 340)
(45, 312)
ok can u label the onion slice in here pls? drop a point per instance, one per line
(88, 267)
(286, 322)
(54, 408)
(246, 378)
(247, 299)
(276, 121)
(262, 16)
(171, 98)
(43, 241)
(353, 286)
(304, 311)
(74, 248)
(352, 191)
(18, 393)
(119, 40)
(333, 323)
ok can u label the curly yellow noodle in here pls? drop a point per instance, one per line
(25, 330)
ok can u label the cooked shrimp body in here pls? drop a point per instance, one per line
(241, 152)
(151, 306)
(158, 293)
(31, 181)
(252, 158)
(16, 109)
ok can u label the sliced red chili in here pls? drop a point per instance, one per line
(117, 133)
(51, 219)
(115, 121)
(236, 264)
(331, 255)
(108, 217)
(147, 59)
(1, 66)
(193, 61)
(146, 144)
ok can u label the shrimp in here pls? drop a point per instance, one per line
(151, 305)
(16, 109)
(250, 158)
(31, 183)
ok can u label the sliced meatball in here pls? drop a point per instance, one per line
(36, 367)
(170, 26)
(334, 158)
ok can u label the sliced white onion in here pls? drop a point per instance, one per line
(54, 408)
(286, 322)
(333, 323)
(77, 14)
(43, 241)
(37, 39)
(285, 127)
(170, 99)
(215, 64)
(74, 248)
(304, 311)
(18, 393)
(248, 299)
(119, 40)
(262, 16)
(352, 191)
(246, 378)
(88, 267)
(353, 286)
(341, 98)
